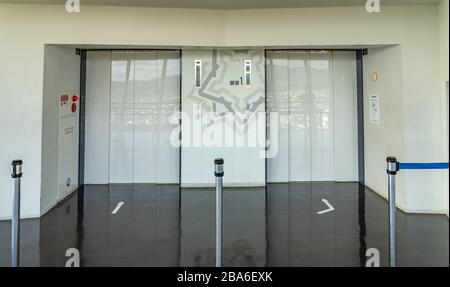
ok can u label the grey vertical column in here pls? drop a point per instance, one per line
(360, 109)
(15, 224)
(218, 172)
(392, 168)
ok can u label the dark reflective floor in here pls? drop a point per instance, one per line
(278, 226)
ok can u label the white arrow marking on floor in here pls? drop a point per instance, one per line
(330, 207)
(119, 205)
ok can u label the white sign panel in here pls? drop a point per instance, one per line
(68, 136)
(374, 109)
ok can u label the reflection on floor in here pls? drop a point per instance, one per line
(273, 226)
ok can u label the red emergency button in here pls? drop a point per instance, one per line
(74, 107)
(74, 98)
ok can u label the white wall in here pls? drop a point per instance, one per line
(444, 51)
(61, 71)
(24, 29)
(61, 74)
(386, 138)
(443, 37)
(409, 130)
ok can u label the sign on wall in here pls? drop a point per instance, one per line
(68, 132)
(374, 109)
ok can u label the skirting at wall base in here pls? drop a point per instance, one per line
(44, 211)
(22, 217)
(410, 211)
(50, 207)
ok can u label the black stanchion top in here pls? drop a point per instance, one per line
(16, 168)
(391, 159)
(218, 170)
(392, 165)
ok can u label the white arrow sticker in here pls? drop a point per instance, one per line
(330, 207)
(119, 205)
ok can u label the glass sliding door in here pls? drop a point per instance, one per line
(299, 108)
(314, 94)
(321, 117)
(121, 136)
(145, 115)
(168, 103)
(277, 91)
(135, 105)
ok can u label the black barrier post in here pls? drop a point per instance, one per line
(15, 224)
(218, 172)
(392, 168)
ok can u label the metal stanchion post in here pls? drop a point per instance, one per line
(218, 172)
(15, 224)
(392, 168)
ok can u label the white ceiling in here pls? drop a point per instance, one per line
(228, 4)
